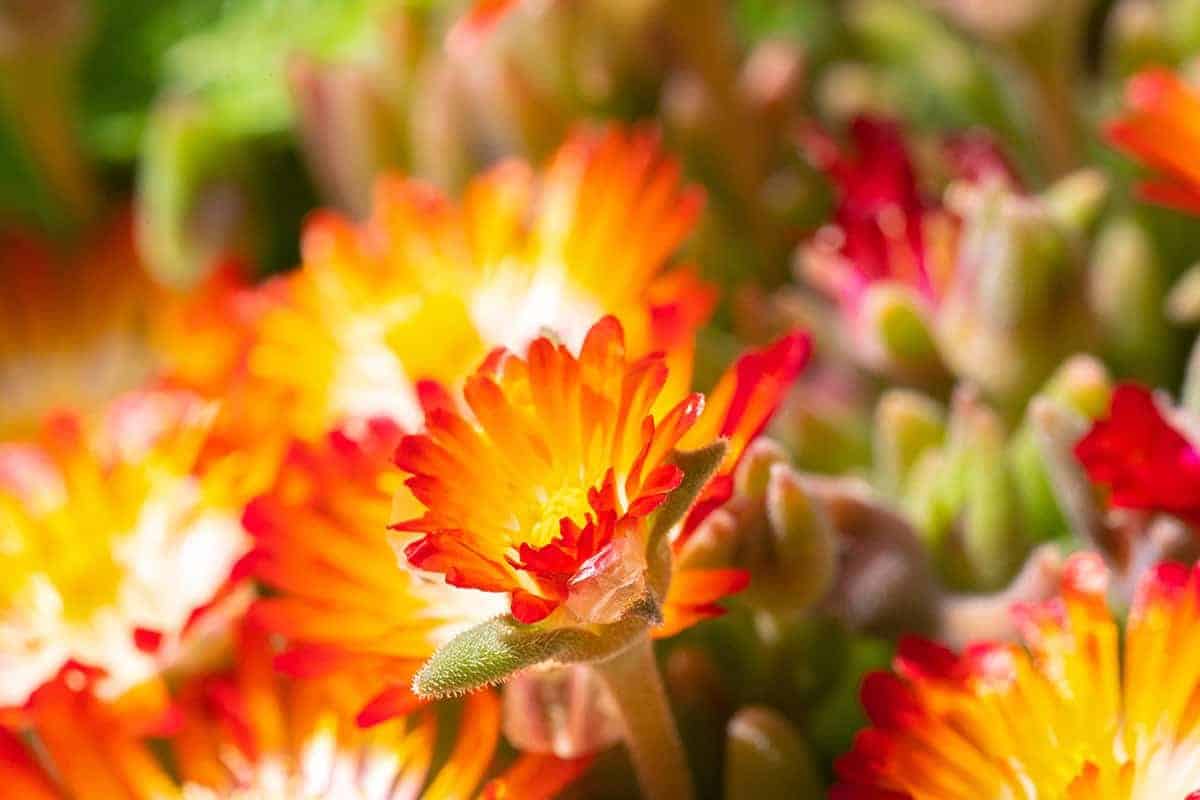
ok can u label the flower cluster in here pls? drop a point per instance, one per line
(444, 415)
(530, 398)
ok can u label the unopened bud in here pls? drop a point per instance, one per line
(1081, 386)
(1073, 202)
(1182, 24)
(990, 536)
(907, 424)
(1136, 37)
(773, 76)
(1056, 430)
(1083, 383)
(1183, 301)
(802, 561)
(750, 479)
(895, 332)
(766, 756)
(848, 90)
(993, 19)
(1126, 291)
(1013, 308)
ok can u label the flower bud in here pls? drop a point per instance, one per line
(766, 756)
(1136, 37)
(907, 425)
(1183, 300)
(894, 332)
(1126, 290)
(1076, 200)
(1013, 309)
(990, 536)
(802, 550)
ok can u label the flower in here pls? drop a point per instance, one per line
(85, 328)
(884, 229)
(1159, 129)
(545, 493)
(1072, 714)
(880, 219)
(1144, 460)
(71, 330)
(424, 289)
(118, 549)
(248, 734)
(340, 598)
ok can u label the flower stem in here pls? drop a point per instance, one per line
(650, 734)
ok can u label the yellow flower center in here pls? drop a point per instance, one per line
(567, 501)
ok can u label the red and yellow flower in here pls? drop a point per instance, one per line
(544, 494)
(578, 461)
(425, 289)
(74, 331)
(248, 734)
(1161, 129)
(1075, 713)
(80, 329)
(341, 599)
(118, 550)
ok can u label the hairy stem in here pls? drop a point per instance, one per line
(650, 734)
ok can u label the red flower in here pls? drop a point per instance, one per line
(1144, 461)
(879, 206)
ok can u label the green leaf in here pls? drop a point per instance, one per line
(238, 63)
(494, 651)
(121, 71)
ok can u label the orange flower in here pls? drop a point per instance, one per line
(71, 332)
(321, 538)
(321, 542)
(1162, 130)
(248, 734)
(545, 495)
(117, 550)
(424, 289)
(1072, 715)
(80, 330)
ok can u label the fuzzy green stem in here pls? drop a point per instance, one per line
(650, 734)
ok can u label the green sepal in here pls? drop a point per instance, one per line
(493, 651)
(698, 467)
